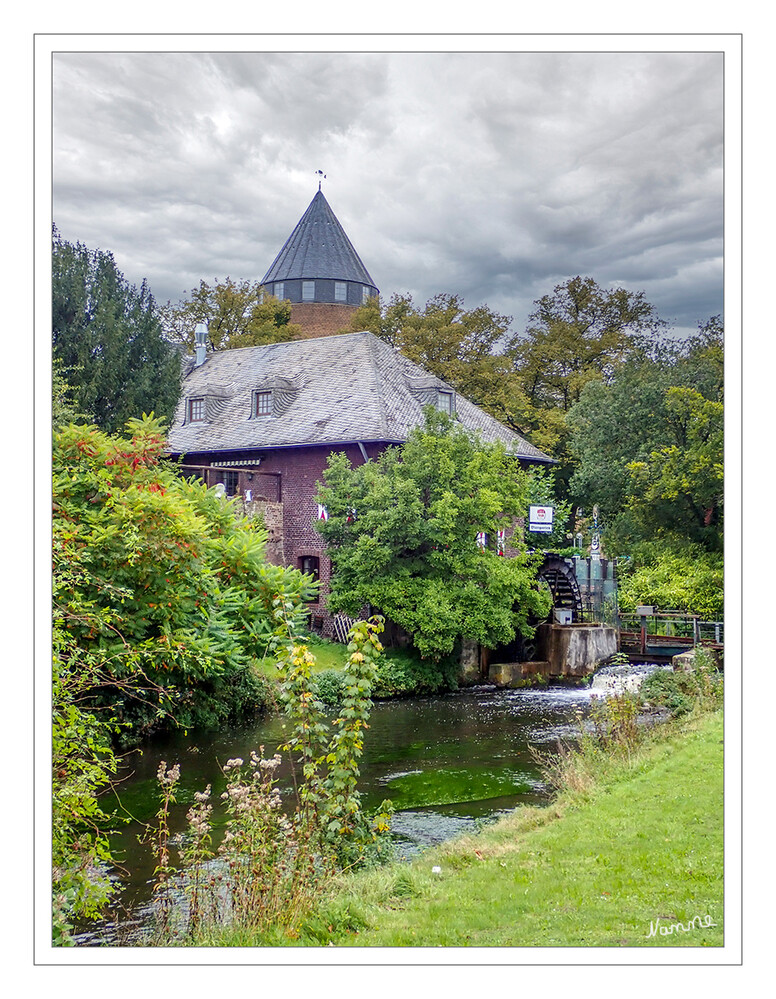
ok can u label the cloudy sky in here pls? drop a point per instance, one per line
(494, 175)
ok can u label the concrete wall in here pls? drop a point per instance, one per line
(575, 649)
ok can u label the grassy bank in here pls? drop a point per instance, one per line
(633, 846)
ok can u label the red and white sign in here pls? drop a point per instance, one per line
(540, 519)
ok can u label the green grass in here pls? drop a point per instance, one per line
(641, 846)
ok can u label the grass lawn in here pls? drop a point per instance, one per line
(642, 849)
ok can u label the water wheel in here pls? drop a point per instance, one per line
(562, 582)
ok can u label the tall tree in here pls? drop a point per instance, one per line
(237, 314)
(402, 533)
(581, 333)
(108, 337)
(636, 416)
(462, 347)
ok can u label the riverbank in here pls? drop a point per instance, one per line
(630, 857)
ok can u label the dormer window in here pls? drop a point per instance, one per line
(445, 403)
(262, 403)
(196, 410)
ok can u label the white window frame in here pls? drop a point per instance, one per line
(279, 289)
(340, 291)
(308, 291)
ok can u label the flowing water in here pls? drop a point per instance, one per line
(447, 763)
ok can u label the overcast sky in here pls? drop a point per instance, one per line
(492, 175)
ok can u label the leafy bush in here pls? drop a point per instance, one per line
(673, 576)
(682, 690)
(160, 576)
(405, 675)
(330, 686)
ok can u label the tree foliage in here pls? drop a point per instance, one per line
(402, 535)
(237, 314)
(461, 347)
(673, 575)
(648, 446)
(107, 337)
(678, 488)
(158, 576)
(579, 334)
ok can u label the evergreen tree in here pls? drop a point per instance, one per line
(107, 335)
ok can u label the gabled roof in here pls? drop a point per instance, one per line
(318, 248)
(329, 391)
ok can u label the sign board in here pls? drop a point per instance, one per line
(540, 519)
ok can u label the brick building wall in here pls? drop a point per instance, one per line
(283, 491)
(321, 318)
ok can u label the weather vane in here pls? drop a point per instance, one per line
(321, 176)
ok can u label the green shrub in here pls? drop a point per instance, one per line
(329, 686)
(401, 674)
(682, 690)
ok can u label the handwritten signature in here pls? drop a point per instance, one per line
(697, 923)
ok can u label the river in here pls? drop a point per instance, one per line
(447, 763)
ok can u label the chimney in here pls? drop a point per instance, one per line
(200, 333)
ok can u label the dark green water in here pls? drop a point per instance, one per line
(446, 763)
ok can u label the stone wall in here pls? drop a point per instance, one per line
(272, 515)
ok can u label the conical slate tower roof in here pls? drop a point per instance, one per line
(318, 249)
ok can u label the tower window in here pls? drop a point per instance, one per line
(196, 410)
(279, 289)
(262, 403)
(364, 295)
(340, 291)
(308, 291)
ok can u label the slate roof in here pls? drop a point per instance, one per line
(318, 248)
(330, 391)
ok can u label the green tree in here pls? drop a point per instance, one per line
(107, 337)
(581, 333)
(673, 576)
(678, 488)
(158, 576)
(626, 420)
(463, 348)
(402, 534)
(237, 314)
